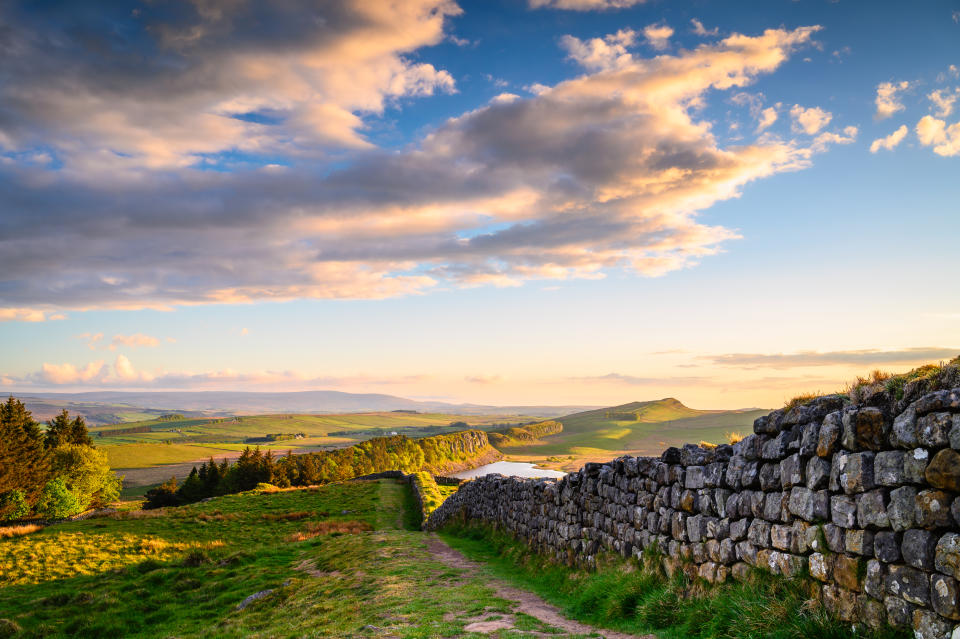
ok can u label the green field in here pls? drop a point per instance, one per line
(638, 428)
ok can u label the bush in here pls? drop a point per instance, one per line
(57, 501)
(14, 503)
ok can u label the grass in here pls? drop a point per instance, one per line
(9, 532)
(639, 599)
(343, 560)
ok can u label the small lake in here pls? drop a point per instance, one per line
(514, 469)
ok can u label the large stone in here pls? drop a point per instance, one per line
(750, 476)
(947, 555)
(738, 529)
(847, 570)
(938, 400)
(899, 612)
(776, 448)
(820, 567)
(872, 510)
(829, 434)
(933, 509)
(901, 510)
(694, 478)
(859, 542)
(864, 429)
(943, 472)
(919, 547)
(909, 583)
(888, 468)
(886, 546)
(856, 475)
(915, 465)
(770, 477)
(945, 596)
(791, 471)
(929, 625)
(904, 432)
(781, 537)
(759, 533)
(873, 579)
(955, 433)
(933, 430)
(774, 506)
(818, 473)
(809, 438)
(843, 511)
(809, 505)
(872, 613)
(834, 536)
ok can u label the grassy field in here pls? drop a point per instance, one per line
(639, 428)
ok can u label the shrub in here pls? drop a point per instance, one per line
(14, 504)
(57, 501)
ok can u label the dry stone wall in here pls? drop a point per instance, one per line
(864, 500)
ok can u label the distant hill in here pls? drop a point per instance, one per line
(104, 407)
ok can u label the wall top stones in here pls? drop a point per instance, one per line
(864, 498)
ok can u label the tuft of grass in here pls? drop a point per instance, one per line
(9, 532)
(317, 528)
(706, 444)
(733, 437)
(801, 400)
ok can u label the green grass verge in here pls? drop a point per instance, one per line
(639, 599)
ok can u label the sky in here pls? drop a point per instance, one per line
(499, 202)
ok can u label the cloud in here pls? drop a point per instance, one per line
(833, 358)
(94, 341)
(658, 36)
(180, 82)
(944, 139)
(943, 101)
(887, 101)
(890, 141)
(28, 314)
(604, 172)
(483, 379)
(701, 30)
(767, 117)
(811, 120)
(69, 374)
(632, 380)
(600, 53)
(583, 5)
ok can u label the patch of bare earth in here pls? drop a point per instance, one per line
(526, 602)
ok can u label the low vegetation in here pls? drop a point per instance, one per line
(518, 435)
(430, 493)
(640, 599)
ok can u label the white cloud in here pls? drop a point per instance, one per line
(658, 36)
(887, 101)
(943, 100)
(28, 315)
(828, 138)
(125, 372)
(583, 5)
(69, 374)
(600, 53)
(767, 117)
(701, 30)
(889, 142)
(94, 341)
(944, 139)
(811, 120)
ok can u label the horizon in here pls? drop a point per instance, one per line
(732, 205)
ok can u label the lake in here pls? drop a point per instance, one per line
(514, 469)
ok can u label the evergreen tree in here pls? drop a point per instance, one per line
(163, 495)
(62, 430)
(213, 479)
(24, 462)
(192, 488)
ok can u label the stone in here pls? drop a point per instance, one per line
(955, 433)
(773, 506)
(915, 465)
(759, 533)
(808, 505)
(791, 471)
(751, 474)
(856, 474)
(776, 448)
(904, 431)
(918, 548)
(933, 509)
(820, 567)
(809, 438)
(943, 472)
(846, 571)
(747, 552)
(873, 614)
(886, 546)
(765, 425)
(818, 473)
(864, 429)
(955, 510)
(899, 612)
(694, 478)
(933, 430)
(738, 529)
(872, 510)
(873, 579)
(829, 434)
(939, 400)
(888, 468)
(901, 511)
(859, 542)
(945, 596)
(909, 583)
(834, 536)
(781, 537)
(769, 477)
(947, 555)
(843, 511)
(929, 625)
(695, 528)
(254, 597)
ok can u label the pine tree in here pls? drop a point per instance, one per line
(62, 430)
(24, 462)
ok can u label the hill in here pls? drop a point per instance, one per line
(638, 428)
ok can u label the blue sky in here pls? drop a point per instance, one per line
(566, 201)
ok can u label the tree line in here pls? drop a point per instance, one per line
(379, 454)
(50, 473)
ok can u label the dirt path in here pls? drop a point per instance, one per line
(527, 602)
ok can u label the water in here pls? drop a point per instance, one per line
(514, 469)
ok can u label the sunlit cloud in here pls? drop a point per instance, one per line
(809, 120)
(864, 357)
(943, 101)
(936, 133)
(887, 100)
(658, 36)
(701, 30)
(583, 5)
(891, 141)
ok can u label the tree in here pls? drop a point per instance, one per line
(192, 489)
(24, 462)
(62, 430)
(163, 495)
(86, 473)
(57, 501)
